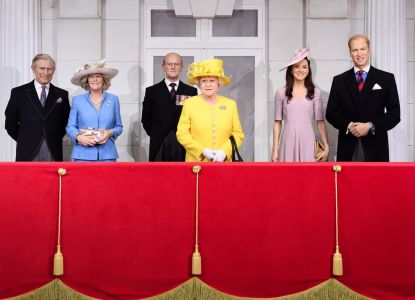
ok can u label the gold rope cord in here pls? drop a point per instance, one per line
(197, 212)
(196, 258)
(337, 211)
(60, 207)
(337, 257)
(58, 258)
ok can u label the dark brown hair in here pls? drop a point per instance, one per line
(308, 82)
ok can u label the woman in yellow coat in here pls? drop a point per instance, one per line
(208, 120)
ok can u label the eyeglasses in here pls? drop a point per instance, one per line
(173, 64)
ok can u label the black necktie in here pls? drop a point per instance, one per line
(173, 90)
(43, 96)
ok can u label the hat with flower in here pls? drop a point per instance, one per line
(81, 74)
(210, 67)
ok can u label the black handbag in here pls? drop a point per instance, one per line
(236, 157)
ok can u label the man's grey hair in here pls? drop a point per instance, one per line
(44, 57)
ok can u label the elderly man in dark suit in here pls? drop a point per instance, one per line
(363, 105)
(37, 113)
(162, 106)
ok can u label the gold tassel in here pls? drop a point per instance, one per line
(58, 258)
(337, 257)
(196, 257)
(58, 263)
(337, 263)
(196, 262)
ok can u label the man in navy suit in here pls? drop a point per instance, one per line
(162, 107)
(363, 105)
(37, 113)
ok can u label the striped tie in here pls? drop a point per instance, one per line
(173, 91)
(360, 81)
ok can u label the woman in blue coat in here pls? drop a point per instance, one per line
(94, 121)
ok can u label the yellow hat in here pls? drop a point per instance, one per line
(210, 67)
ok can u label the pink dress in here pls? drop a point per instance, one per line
(297, 137)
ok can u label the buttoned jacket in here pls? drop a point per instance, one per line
(202, 125)
(161, 114)
(377, 102)
(28, 122)
(83, 115)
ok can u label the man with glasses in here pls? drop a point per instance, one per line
(162, 107)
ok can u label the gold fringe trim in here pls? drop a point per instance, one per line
(54, 290)
(195, 289)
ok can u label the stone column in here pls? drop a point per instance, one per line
(386, 29)
(20, 42)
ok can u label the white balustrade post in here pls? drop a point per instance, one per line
(386, 29)
(20, 42)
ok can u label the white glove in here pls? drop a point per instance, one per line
(220, 155)
(208, 153)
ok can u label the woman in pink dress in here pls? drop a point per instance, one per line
(298, 103)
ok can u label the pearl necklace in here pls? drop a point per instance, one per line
(96, 103)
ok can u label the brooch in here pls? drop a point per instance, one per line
(223, 107)
(59, 100)
(181, 98)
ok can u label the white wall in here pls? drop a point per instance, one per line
(410, 15)
(325, 27)
(322, 25)
(76, 32)
(80, 32)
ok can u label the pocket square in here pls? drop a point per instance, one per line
(376, 87)
(59, 100)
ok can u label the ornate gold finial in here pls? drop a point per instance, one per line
(337, 168)
(62, 171)
(196, 169)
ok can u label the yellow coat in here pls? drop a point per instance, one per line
(208, 126)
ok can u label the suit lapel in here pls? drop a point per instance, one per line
(360, 98)
(182, 89)
(367, 87)
(31, 94)
(350, 81)
(50, 100)
(166, 93)
(164, 97)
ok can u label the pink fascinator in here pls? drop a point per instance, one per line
(299, 54)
